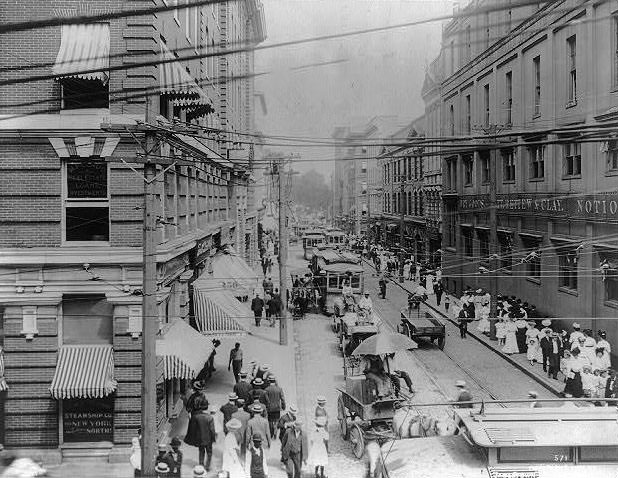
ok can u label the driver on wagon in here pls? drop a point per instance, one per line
(366, 304)
(347, 292)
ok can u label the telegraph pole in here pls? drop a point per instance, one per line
(150, 321)
(493, 231)
(402, 210)
(283, 255)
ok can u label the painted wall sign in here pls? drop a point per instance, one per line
(589, 206)
(88, 419)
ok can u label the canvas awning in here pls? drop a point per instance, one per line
(218, 312)
(175, 81)
(84, 371)
(183, 349)
(230, 272)
(84, 52)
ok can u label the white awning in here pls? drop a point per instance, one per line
(230, 272)
(174, 80)
(84, 52)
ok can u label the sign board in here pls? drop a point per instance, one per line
(602, 206)
(88, 419)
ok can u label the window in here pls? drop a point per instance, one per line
(87, 202)
(363, 187)
(532, 261)
(572, 52)
(567, 269)
(363, 166)
(87, 320)
(506, 251)
(485, 166)
(572, 161)
(536, 62)
(468, 115)
(537, 161)
(595, 454)
(451, 219)
(467, 241)
(80, 93)
(509, 97)
(535, 454)
(508, 165)
(612, 155)
(483, 244)
(451, 114)
(486, 104)
(415, 203)
(468, 44)
(615, 50)
(611, 286)
(468, 163)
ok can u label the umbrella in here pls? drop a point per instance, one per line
(385, 343)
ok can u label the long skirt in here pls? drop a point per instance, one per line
(574, 386)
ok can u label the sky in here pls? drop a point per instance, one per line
(374, 74)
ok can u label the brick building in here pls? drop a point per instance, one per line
(71, 208)
(546, 76)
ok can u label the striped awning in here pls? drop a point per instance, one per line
(84, 371)
(84, 52)
(3, 385)
(183, 349)
(218, 312)
(175, 81)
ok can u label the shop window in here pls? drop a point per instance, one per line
(78, 93)
(87, 319)
(567, 269)
(467, 242)
(86, 204)
(572, 161)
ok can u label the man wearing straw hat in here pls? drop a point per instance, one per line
(295, 450)
(257, 424)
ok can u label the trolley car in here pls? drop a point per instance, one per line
(312, 239)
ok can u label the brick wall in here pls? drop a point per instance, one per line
(31, 414)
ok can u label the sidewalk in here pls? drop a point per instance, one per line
(517, 360)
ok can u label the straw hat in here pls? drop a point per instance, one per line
(546, 322)
(233, 424)
(321, 399)
(258, 381)
(232, 397)
(199, 472)
(293, 409)
(162, 467)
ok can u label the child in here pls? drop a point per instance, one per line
(176, 455)
(564, 364)
(602, 382)
(500, 332)
(589, 381)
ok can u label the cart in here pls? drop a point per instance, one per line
(352, 329)
(420, 324)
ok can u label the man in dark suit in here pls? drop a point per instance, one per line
(611, 387)
(257, 306)
(243, 388)
(546, 347)
(201, 432)
(295, 450)
(276, 403)
(228, 409)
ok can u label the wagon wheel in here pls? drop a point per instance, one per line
(357, 441)
(342, 416)
(441, 343)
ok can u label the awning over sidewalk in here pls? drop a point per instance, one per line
(84, 371)
(183, 349)
(230, 272)
(218, 312)
(84, 52)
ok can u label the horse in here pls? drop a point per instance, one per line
(408, 424)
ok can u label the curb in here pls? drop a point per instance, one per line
(506, 357)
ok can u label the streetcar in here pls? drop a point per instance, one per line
(560, 442)
(312, 239)
(335, 237)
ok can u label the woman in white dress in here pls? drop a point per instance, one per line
(510, 339)
(318, 447)
(533, 354)
(607, 348)
(231, 451)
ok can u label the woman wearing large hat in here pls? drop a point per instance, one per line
(231, 450)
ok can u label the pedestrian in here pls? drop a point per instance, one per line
(447, 303)
(258, 393)
(243, 389)
(464, 395)
(438, 289)
(295, 450)
(275, 307)
(201, 432)
(257, 424)
(382, 284)
(198, 391)
(267, 298)
(320, 409)
(136, 454)
(574, 369)
(228, 409)
(533, 351)
(276, 403)
(231, 450)
(255, 463)
(176, 455)
(162, 470)
(285, 421)
(267, 285)
(462, 322)
(607, 348)
(611, 387)
(164, 457)
(510, 338)
(243, 417)
(236, 356)
(257, 306)
(554, 352)
(546, 346)
(318, 447)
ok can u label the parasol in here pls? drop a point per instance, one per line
(385, 343)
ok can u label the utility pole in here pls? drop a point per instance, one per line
(402, 210)
(150, 321)
(493, 231)
(283, 255)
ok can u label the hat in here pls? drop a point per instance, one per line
(198, 385)
(266, 367)
(162, 467)
(293, 409)
(272, 378)
(479, 291)
(576, 325)
(162, 447)
(298, 422)
(256, 408)
(320, 421)
(252, 361)
(257, 437)
(232, 396)
(546, 322)
(175, 442)
(240, 401)
(258, 381)
(233, 424)
(602, 333)
(321, 399)
(533, 394)
(199, 471)
(243, 374)
(460, 383)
